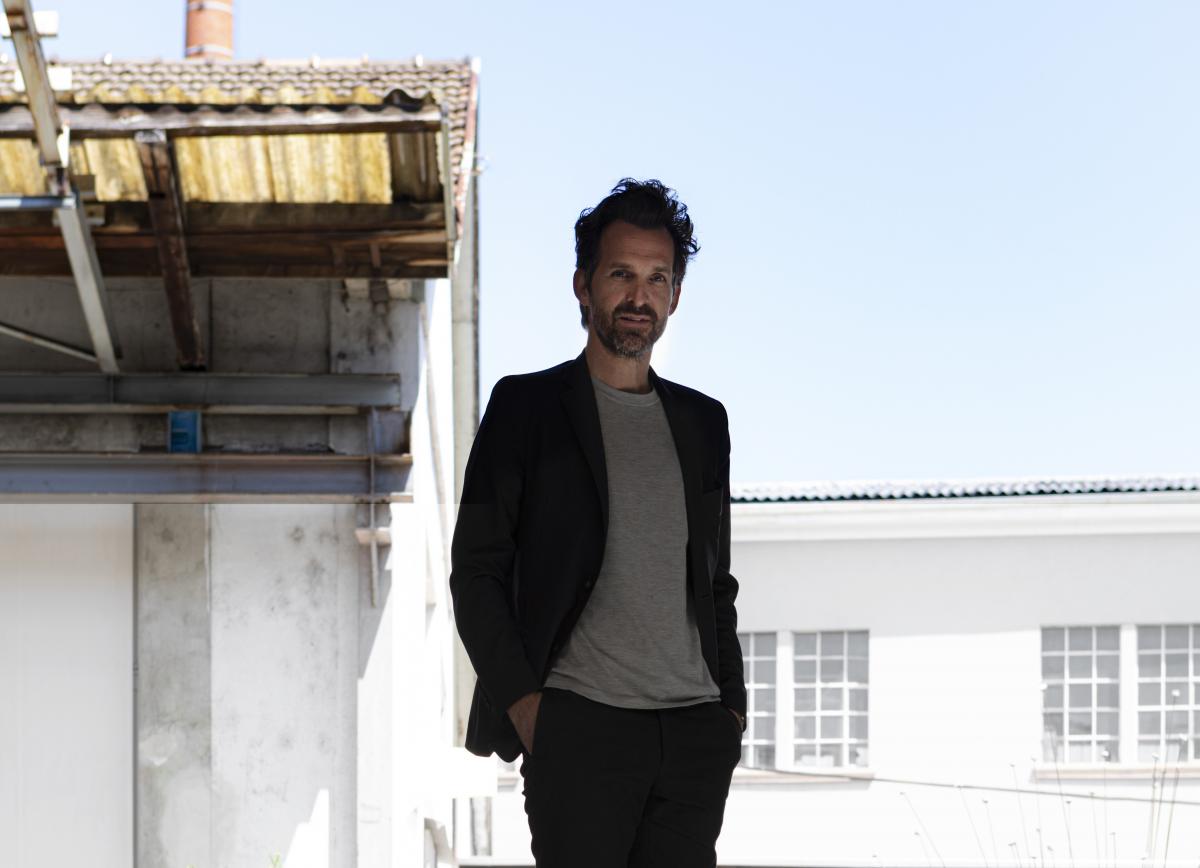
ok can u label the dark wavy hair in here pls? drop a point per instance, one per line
(645, 204)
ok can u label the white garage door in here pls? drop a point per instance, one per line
(66, 685)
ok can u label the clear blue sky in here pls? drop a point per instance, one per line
(938, 239)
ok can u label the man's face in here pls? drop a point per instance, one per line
(630, 296)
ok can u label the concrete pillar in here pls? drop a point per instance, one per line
(174, 722)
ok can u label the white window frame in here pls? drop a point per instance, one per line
(1186, 706)
(785, 713)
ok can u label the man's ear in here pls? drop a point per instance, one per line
(579, 282)
(675, 298)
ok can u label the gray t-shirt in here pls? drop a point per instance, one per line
(636, 644)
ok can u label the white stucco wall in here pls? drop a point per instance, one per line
(66, 685)
(954, 619)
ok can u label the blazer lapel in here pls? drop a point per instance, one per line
(579, 399)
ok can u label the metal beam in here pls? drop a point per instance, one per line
(44, 123)
(93, 297)
(123, 120)
(46, 128)
(166, 217)
(204, 477)
(273, 394)
(47, 342)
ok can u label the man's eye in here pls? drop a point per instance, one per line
(659, 278)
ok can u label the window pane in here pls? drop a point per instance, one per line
(764, 726)
(806, 727)
(744, 641)
(1079, 638)
(1106, 722)
(831, 670)
(1176, 750)
(857, 671)
(1150, 693)
(1081, 696)
(806, 699)
(858, 754)
(1108, 751)
(764, 756)
(1147, 750)
(764, 700)
(1177, 665)
(1052, 666)
(1108, 638)
(1108, 696)
(1176, 636)
(1053, 639)
(831, 726)
(805, 671)
(858, 726)
(764, 644)
(1149, 637)
(857, 643)
(764, 671)
(1079, 751)
(1080, 723)
(1149, 665)
(1108, 666)
(858, 698)
(831, 755)
(1175, 694)
(833, 644)
(806, 754)
(1177, 723)
(1052, 696)
(1149, 722)
(1053, 724)
(804, 643)
(1080, 666)
(831, 698)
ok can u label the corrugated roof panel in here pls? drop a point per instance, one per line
(807, 492)
(360, 167)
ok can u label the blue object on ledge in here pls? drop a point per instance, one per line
(183, 431)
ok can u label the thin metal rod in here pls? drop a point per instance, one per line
(34, 203)
(47, 343)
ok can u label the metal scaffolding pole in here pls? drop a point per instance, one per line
(52, 143)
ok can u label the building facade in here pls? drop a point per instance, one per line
(972, 674)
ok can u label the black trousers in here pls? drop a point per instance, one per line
(609, 787)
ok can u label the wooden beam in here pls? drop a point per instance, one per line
(298, 256)
(123, 120)
(258, 217)
(166, 216)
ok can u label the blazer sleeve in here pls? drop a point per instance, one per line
(725, 590)
(483, 550)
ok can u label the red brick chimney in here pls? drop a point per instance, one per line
(209, 30)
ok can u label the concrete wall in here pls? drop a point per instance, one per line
(265, 326)
(955, 699)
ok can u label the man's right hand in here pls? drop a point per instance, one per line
(523, 714)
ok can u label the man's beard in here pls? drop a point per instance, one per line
(627, 341)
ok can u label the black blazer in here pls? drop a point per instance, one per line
(531, 530)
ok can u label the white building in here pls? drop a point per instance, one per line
(967, 674)
(236, 649)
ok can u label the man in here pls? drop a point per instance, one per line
(590, 570)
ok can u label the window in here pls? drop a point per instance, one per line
(758, 741)
(1080, 694)
(830, 698)
(1168, 691)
